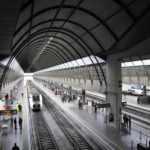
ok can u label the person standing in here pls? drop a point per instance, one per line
(20, 122)
(15, 147)
(15, 122)
(125, 119)
(129, 120)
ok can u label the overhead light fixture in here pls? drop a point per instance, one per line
(51, 38)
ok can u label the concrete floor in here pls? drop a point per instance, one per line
(86, 118)
(18, 136)
(93, 124)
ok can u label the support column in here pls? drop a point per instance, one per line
(1, 96)
(14, 91)
(62, 89)
(144, 90)
(114, 88)
(70, 90)
(51, 84)
(11, 93)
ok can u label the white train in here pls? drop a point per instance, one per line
(35, 100)
(131, 89)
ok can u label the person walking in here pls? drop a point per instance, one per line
(15, 147)
(125, 120)
(95, 107)
(20, 107)
(20, 122)
(15, 122)
(22, 94)
(11, 122)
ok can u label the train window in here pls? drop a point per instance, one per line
(36, 98)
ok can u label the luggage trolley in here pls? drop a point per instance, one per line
(4, 129)
(4, 125)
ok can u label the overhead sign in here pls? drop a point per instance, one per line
(8, 112)
(107, 105)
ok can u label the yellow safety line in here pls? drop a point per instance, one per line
(112, 142)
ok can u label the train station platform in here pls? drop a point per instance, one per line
(95, 124)
(8, 134)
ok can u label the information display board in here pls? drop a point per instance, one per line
(8, 112)
(107, 105)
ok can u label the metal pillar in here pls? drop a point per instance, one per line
(1, 96)
(70, 90)
(114, 90)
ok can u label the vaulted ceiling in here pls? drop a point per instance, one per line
(9, 11)
(51, 32)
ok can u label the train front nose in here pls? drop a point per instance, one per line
(36, 106)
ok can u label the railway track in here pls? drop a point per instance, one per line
(137, 113)
(77, 141)
(75, 138)
(43, 138)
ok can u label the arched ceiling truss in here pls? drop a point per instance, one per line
(76, 25)
(51, 32)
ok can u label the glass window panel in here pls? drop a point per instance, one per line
(137, 63)
(93, 59)
(5, 61)
(70, 64)
(99, 59)
(66, 65)
(128, 64)
(146, 62)
(56, 67)
(80, 62)
(87, 60)
(75, 63)
(62, 66)
(122, 65)
(53, 68)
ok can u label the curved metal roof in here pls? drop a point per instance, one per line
(52, 32)
(9, 11)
